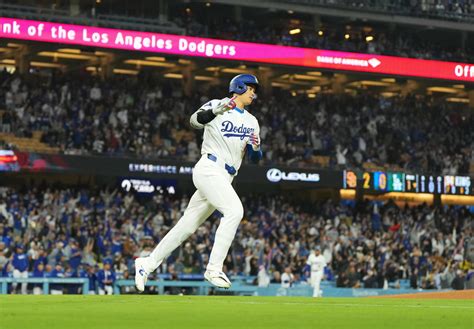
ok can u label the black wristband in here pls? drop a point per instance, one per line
(206, 116)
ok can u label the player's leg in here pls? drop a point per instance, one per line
(313, 284)
(317, 285)
(24, 285)
(16, 275)
(109, 290)
(196, 213)
(218, 190)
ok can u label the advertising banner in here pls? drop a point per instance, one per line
(80, 35)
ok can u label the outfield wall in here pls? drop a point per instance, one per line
(203, 288)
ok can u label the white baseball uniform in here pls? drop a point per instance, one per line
(224, 145)
(317, 263)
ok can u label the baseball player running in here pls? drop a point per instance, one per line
(229, 132)
(317, 262)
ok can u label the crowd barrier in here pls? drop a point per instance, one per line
(45, 282)
(241, 288)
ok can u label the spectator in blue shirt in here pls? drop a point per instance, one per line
(58, 272)
(117, 245)
(38, 272)
(20, 263)
(76, 255)
(4, 270)
(7, 239)
(90, 273)
(106, 279)
(41, 258)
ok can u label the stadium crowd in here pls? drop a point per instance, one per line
(48, 232)
(148, 118)
(382, 42)
(221, 21)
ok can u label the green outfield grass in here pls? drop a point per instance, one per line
(135, 311)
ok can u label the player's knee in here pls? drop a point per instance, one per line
(237, 212)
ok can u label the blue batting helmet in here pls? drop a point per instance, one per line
(239, 83)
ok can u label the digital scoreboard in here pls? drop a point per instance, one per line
(381, 181)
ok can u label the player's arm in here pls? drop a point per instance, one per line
(254, 148)
(209, 111)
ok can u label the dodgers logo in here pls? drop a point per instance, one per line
(230, 130)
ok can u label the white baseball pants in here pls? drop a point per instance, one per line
(316, 278)
(20, 275)
(214, 191)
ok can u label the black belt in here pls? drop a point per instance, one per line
(230, 169)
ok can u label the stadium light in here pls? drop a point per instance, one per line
(156, 58)
(184, 61)
(347, 36)
(203, 78)
(213, 68)
(173, 75)
(65, 55)
(124, 71)
(371, 83)
(69, 50)
(148, 63)
(295, 31)
(457, 100)
(320, 33)
(280, 85)
(443, 90)
(49, 65)
(235, 71)
(306, 77)
(100, 53)
(369, 38)
(13, 45)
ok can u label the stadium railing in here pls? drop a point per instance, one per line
(46, 282)
(201, 286)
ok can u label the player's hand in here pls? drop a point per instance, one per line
(255, 141)
(226, 104)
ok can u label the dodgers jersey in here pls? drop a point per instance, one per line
(317, 263)
(227, 135)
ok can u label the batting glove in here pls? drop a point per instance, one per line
(226, 104)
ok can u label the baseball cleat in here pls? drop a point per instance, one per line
(141, 275)
(218, 279)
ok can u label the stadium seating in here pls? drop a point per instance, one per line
(368, 244)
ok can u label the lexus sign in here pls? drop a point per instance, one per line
(275, 175)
